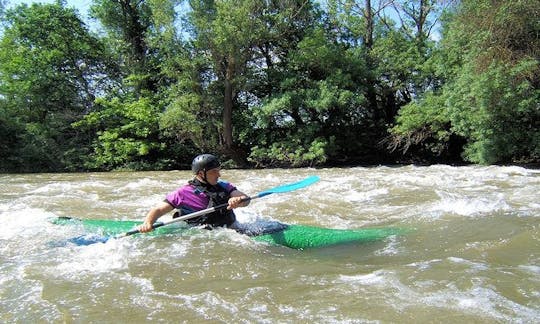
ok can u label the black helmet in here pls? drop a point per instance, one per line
(204, 162)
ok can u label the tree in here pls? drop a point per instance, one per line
(125, 122)
(229, 47)
(128, 23)
(223, 33)
(126, 131)
(50, 69)
(489, 60)
(315, 109)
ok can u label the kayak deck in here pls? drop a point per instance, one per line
(289, 235)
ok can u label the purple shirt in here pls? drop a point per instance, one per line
(190, 198)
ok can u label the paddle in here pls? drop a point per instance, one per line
(280, 189)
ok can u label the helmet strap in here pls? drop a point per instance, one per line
(205, 179)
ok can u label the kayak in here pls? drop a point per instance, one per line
(276, 233)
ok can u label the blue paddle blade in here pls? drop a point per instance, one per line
(290, 187)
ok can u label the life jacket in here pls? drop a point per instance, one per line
(217, 195)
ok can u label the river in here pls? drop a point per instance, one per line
(472, 253)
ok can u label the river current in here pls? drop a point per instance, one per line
(472, 253)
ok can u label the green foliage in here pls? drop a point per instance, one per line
(490, 96)
(426, 122)
(295, 151)
(319, 100)
(127, 131)
(50, 70)
(498, 112)
(10, 126)
(129, 26)
(187, 122)
(404, 64)
(192, 114)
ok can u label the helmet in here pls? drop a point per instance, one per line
(204, 162)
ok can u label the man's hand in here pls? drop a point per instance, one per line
(239, 201)
(145, 227)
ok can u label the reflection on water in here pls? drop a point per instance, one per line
(472, 256)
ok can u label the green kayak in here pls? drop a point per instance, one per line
(289, 235)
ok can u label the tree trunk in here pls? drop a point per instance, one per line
(228, 142)
(371, 93)
(369, 25)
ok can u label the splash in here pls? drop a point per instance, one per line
(470, 206)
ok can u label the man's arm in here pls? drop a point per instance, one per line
(159, 210)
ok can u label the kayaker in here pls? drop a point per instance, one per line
(204, 191)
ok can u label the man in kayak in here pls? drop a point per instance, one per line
(204, 191)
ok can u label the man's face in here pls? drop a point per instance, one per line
(212, 176)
